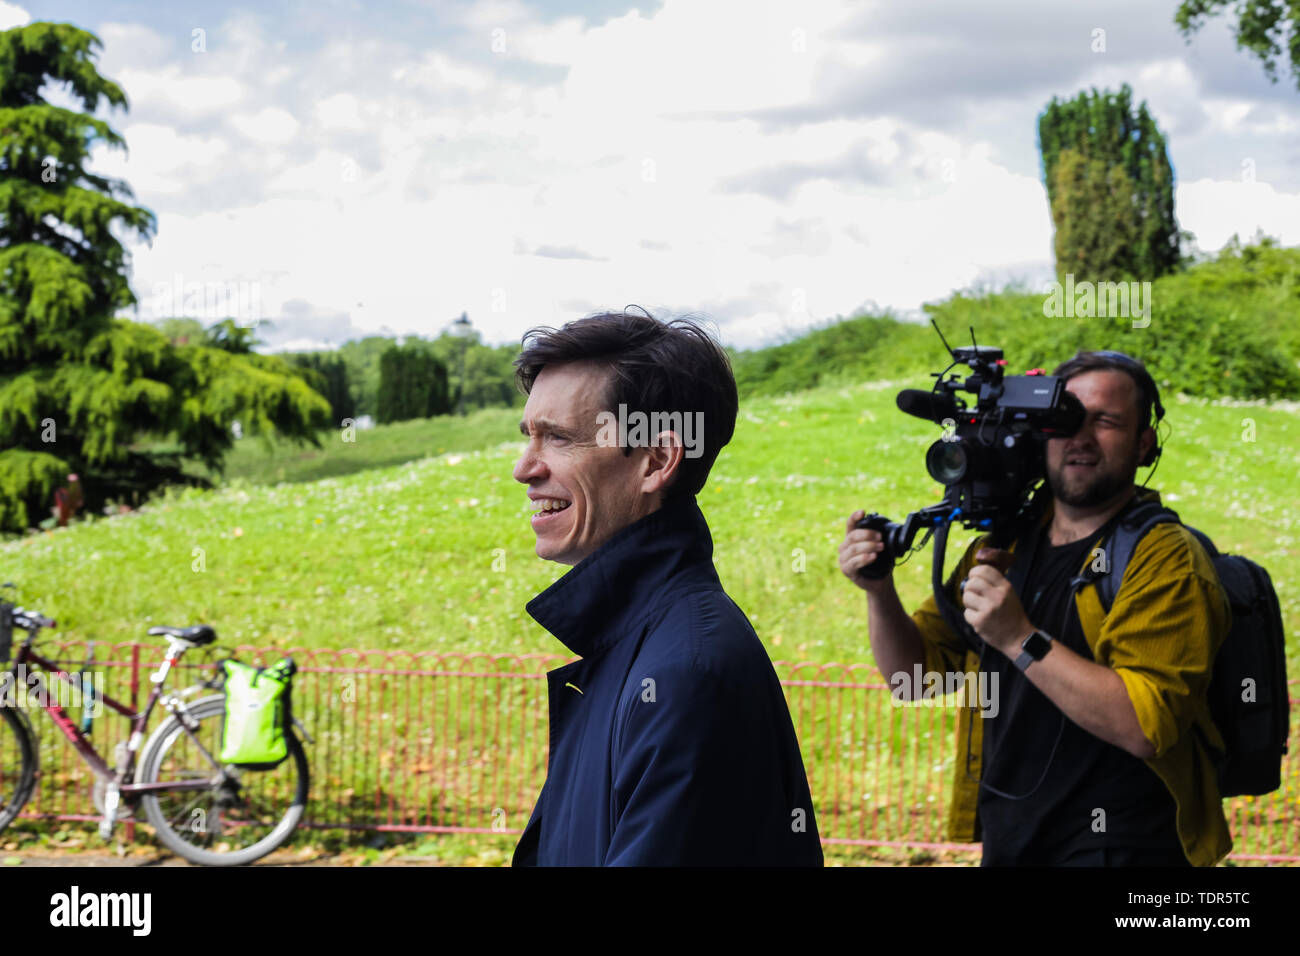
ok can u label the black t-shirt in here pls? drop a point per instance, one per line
(1092, 794)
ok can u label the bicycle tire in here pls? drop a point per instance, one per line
(17, 745)
(170, 754)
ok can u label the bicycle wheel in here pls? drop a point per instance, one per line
(17, 764)
(232, 822)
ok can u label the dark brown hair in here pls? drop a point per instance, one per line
(654, 366)
(1118, 362)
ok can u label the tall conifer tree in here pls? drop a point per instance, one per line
(1110, 187)
(78, 386)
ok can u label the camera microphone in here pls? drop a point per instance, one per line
(932, 406)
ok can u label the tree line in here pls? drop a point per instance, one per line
(391, 378)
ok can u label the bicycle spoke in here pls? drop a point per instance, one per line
(183, 818)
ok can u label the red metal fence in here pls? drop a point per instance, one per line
(456, 743)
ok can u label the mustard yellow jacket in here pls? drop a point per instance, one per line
(1167, 623)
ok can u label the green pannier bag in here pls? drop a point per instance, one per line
(253, 735)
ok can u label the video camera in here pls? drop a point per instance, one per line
(991, 456)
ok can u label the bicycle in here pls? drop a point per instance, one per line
(206, 811)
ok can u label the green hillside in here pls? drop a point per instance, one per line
(1229, 326)
(437, 554)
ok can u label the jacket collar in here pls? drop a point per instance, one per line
(593, 605)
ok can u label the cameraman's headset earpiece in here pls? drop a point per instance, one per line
(1158, 447)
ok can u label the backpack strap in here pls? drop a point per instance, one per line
(1027, 551)
(1132, 525)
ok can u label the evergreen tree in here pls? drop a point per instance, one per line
(361, 356)
(1095, 234)
(181, 330)
(229, 336)
(412, 384)
(327, 373)
(489, 372)
(78, 386)
(1113, 201)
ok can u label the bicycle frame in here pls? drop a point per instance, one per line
(139, 719)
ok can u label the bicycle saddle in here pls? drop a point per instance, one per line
(198, 635)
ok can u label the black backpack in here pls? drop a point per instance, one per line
(1248, 690)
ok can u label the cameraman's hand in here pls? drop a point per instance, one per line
(992, 607)
(859, 549)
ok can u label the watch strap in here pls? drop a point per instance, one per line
(1027, 656)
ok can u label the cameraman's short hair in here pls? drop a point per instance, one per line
(1105, 360)
(654, 366)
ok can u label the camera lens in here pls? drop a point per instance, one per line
(947, 461)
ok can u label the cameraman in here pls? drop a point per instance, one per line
(1091, 757)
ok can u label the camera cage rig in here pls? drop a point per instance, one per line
(1001, 509)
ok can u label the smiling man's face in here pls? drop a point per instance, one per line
(582, 492)
(1092, 467)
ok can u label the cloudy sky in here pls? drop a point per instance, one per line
(766, 165)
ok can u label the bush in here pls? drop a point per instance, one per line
(1229, 326)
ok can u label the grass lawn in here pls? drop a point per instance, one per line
(437, 554)
(258, 461)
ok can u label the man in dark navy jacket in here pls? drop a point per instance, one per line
(671, 742)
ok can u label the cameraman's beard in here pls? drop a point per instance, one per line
(1104, 486)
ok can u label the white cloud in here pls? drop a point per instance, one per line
(729, 55)
(339, 112)
(439, 73)
(160, 159)
(171, 87)
(1215, 210)
(12, 15)
(269, 125)
(595, 164)
(328, 178)
(484, 16)
(132, 45)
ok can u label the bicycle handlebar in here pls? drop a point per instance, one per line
(31, 621)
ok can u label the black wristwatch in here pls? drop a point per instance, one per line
(1033, 648)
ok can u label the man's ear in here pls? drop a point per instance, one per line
(1146, 445)
(663, 458)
